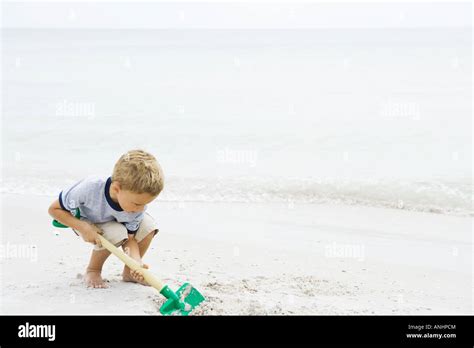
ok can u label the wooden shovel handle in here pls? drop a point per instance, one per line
(132, 264)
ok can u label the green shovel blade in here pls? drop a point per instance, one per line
(189, 298)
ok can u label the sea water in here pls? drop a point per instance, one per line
(379, 117)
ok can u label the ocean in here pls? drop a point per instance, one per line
(377, 117)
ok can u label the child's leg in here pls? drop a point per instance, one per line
(136, 250)
(115, 233)
(138, 247)
(93, 276)
(145, 243)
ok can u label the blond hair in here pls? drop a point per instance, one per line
(138, 171)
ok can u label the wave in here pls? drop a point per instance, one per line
(437, 196)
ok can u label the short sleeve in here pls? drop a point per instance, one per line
(74, 196)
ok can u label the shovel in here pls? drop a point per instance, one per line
(184, 300)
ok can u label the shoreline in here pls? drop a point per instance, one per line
(252, 259)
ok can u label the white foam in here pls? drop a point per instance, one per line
(436, 196)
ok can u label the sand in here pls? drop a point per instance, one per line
(249, 259)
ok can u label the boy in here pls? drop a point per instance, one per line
(114, 207)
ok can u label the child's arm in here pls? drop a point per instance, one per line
(87, 231)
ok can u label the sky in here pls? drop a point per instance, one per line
(241, 15)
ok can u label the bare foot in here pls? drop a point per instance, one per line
(129, 275)
(94, 280)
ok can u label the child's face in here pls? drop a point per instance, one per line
(133, 202)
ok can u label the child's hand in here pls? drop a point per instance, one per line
(90, 233)
(138, 275)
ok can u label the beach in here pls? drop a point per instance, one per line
(250, 259)
(307, 171)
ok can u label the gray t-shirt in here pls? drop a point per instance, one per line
(91, 195)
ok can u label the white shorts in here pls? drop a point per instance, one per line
(117, 234)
